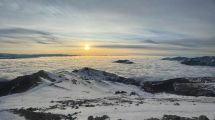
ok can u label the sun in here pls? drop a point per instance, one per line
(87, 47)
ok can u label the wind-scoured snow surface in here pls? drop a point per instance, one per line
(91, 92)
(145, 68)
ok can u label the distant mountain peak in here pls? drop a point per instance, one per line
(93, 74)
(196, 61)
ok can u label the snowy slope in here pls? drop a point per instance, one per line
(92, 92)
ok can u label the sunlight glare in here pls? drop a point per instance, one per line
(87, 47)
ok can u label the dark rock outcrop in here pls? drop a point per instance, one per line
(30, 114)
(120, 92)
(197, 61)
(175, 117)
(204, 86)
(104, 117)
(23, 83)
(124, 61)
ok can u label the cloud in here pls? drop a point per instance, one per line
(21, 35)
(21, 31)
(149, 41)
(146, 47)
(192, 42)
(193, 18)
(189, 42)
(133, 24)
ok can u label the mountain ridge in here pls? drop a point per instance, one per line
(24, 83)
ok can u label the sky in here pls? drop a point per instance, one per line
(108, 27)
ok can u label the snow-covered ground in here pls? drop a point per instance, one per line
(97, 96)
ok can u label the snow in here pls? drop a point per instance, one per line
(72, 86)
(5, 115)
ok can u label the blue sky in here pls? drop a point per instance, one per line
(156, 27)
